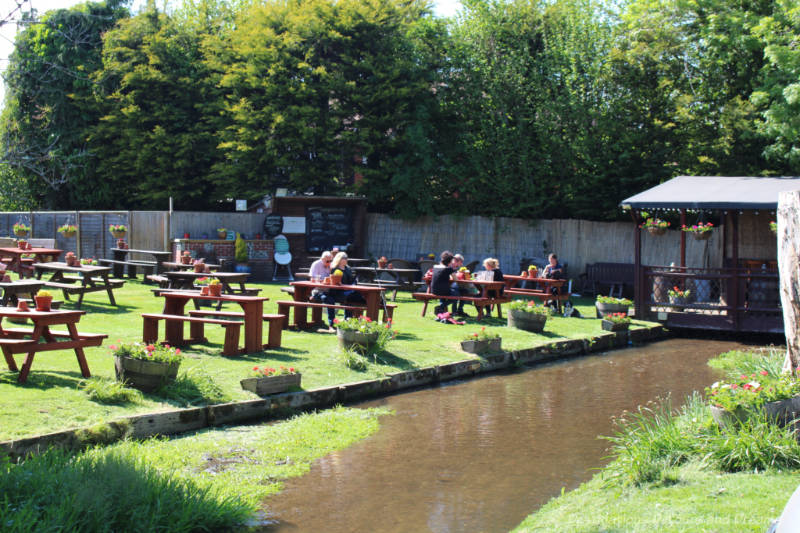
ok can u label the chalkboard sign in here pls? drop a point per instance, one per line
(327, 227)
(273, 226)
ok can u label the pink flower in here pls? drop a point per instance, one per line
(113, 346)
(763, 372)
(177, 351)
(367, 319)
(291, 369)
(150, 348)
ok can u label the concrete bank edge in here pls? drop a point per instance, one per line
(191, 419)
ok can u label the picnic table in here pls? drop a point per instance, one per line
(302, 295)
(544, 293)
(402, 277)
(182, 266)
(14, 255)
(80, 280)
(483, 299)
(174, 316)
(120, 261)
(14, 341)
(12, 290)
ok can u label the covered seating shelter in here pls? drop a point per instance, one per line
(736, 289)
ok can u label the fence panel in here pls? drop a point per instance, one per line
(201, 225)
(148, 230)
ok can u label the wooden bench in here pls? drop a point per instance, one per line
(543, 296)
(196, 332)
(615, 275)
(148, 267)
(19, 333)
(162, 281)
(389, 286)
(275, 323)
(316, 311)
(479, 302)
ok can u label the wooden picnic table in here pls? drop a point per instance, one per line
(545, 293)
(120, 261)
(181, 266)
(350, 260)
(15, 256)
(401, 276)
(185, 280)
(12, 290)
(480, 301)
(372, 296)
(13, 341)
(80, 280)
(252, 306)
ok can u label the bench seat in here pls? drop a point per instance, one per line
(275, 323)
(148, 267)
(196, 332)
(479, 301)
(316, 307)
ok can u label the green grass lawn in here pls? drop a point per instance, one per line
(52, 399)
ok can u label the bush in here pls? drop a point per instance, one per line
(110, 392)
(754, 444)
(194, 387)
(353, 360)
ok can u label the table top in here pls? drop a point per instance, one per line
(34, 250)
(188, 295)
(63, 267)
(181, 266)
(228, 276)
(152, 252)
(32, 313)
(318, 285)
(548, 281)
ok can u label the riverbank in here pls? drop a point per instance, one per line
(680, 472)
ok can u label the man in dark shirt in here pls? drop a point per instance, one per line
(441, 283)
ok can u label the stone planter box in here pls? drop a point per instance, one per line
(611, 326)
(609, 309)
(782, 411)
(144, 375)
(480, 346)
(270, 384)
(350, 338)
(533, 322)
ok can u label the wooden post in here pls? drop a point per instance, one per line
(683, 241)
(638, 295)
(736, 294)
(789, 271)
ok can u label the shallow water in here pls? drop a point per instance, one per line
(481, 455)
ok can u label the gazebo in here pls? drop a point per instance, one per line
(739, 292)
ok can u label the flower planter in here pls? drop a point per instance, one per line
(609, 309)
(118, 234)
(475, 346)
(654, 230)
(349, 338)
(782, 411)
(678, 300)
(68, 234)
(21, 233)
(523, 320)
(43, 302)
(495, 345)
(222, 235)
(266, 385)
(613, 326)
(701, 235)
(147, 376)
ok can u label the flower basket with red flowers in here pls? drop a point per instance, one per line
(700, 231)
(146, 367)
(267, 380)
(482, 341)
(616, 322)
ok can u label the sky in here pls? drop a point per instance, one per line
(442, 8)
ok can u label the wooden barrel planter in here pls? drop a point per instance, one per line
(783, 412)
(147, 376)
(523, 320)
(350, 338)
(264, 386)
(609, 309)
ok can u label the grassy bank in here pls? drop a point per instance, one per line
(677, 471)
(209, 481)
(55, 396)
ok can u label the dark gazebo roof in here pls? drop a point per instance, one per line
(714, 192)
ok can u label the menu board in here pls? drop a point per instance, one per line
(327, 227)
(273, 226)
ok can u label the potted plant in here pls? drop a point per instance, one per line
(70, 259)
(199, 266)
(700, 231)
(118, 230)
(773, 227)
(43, 300)
(222, 233)
(532, 272)
(361, 332)
(753, 394)
(146, 366)
(21, 229)
(616, 322)
(481, 341)
(678, 296)
(240, 254)
(463, 274)
(654, 225)
(89, 262)
(68, 230)
(264, 381)
(609, 304)
(215, 287)
(21, 244)
(526, 315)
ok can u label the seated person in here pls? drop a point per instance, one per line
(321, 269)
(458, 305)
(492, 266)
(442, 281)
(348, 296)
(554, 270)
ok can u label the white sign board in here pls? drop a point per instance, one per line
(241, 205)
(294, 224)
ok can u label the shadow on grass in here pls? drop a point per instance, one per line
(99, 307)
(43, 380)
(389, 359)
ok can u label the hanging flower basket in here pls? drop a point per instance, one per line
(701, 235)
(655, 230)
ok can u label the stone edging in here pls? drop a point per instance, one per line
(182, 420)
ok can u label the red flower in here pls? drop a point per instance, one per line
(113, 347)
(474, 334)
(336, 320)
(150, 348)
(763, 372)
(367, 319)
(177, 351)
(255, 368)
(291, 369)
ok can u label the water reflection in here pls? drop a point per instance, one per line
(483, 454)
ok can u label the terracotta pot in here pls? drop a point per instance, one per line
(43, 302)
(336, 280)
(199, 267)
(22, 305)
(21, 245)
(186, 260)
(270, 385)
(215, 290)
(222, 235)
(205, 291)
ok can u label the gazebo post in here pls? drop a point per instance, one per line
(683, 241)
(735, 263)
(638, 293)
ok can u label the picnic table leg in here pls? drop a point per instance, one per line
(12, 365)
(253, 326)
(173, 330)
(373, 305)
(424, 307)
(26, 365)
(108, 290)
(73, 334)
(301, 294)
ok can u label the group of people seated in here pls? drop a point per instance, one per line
(332, 265)
(444, 280)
